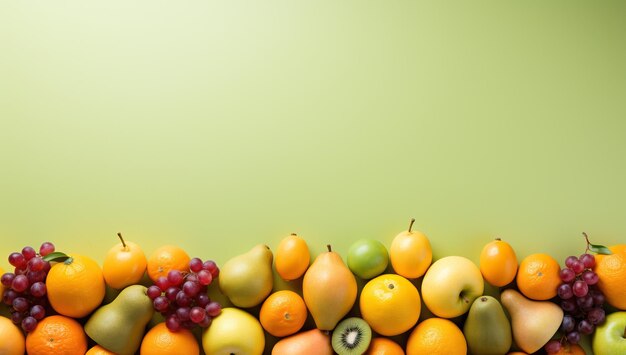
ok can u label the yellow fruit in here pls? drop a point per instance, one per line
(11, 338)
(611, 270)
(410, 253)
(436, 336)
(98, 350)
(292, 257)
(161, 341)
(498, 263)
(283, 313)
(124, 264)
(538, 277)
(390, 304)
(384, 346)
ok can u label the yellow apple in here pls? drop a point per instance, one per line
(234, 332)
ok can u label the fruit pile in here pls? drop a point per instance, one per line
(373, 303)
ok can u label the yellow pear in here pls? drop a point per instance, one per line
(329, 289)
(410, 253)
(533, 322)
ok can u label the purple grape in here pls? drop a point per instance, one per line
(38, 289)
(172, 323)
(36, 276)
(204, 277)
(191, 288)
(596, 316)
(29, 253)
(573, 337)
(565, 291)
(580, 288)
(161, 304)
(175, 277)
(29, 324)
(585, 327)
(17, 259)
(598, 299)
(590, 277)
(20, 283)
(17, 317)
(206, 321)
(153, 292)
(182, 299)
(202, 299)
(569, 305)
(567, 275)
(20, 304)
(585, 303)
(7, 279)
(46, 248)
(553, 346)
(569, 261)
(8, 296)
(209, 266)
(192, 278)
(588, 260)
(197, 314)
(568, 324)
(46, 266)
(183, 313)
(213, 309)
(38, 312)
(195, 264)
(171, 293)
(577, 267)
(162, 283)
(35, 264)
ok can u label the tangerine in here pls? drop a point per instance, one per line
(160, 340)
(611, 270)
(12, 339)
(384, 346)
(166, 258)
(292, 257)
(570, 349)
(436, 336)
(57, 335)
(498, 263)
(538, 277)
(98, 350)
(283, 313)
(124, 264)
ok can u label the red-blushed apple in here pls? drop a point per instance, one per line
(610, 337)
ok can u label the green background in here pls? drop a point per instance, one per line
(220, 125)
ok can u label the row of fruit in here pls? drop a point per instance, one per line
(58, 301)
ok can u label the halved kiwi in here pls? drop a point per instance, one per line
(351, 336)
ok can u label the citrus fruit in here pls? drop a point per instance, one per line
(75, 286)
(98, 350)
(570, 349)
(498, 263)
(436, 336)
(57, 335)
(124, 264)
(384, 346)
(538, 277)
(160, 340)
(11, 338)
(611, 270)
(390, 304)
(292, 257)
(166, 258)
(283, 313)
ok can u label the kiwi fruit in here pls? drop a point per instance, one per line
(351, 336)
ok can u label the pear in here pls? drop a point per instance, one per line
(329, 289)
(247, 279)
(119, 326)
(533, 322)
(486, 329)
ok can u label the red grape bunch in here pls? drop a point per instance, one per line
(25, 288)
(182, 298)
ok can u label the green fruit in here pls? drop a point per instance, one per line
(610, 336)
(486, 329)
(119, 326)
(247, 279)
(351, 336)
(367, 258)
(234, 332)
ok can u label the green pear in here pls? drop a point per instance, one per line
(119, 326)
(487, 329)
(247, 279)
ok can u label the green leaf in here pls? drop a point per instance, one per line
(56, 256)
(599, 249)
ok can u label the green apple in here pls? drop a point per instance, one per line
(451, 285)
(610, 337)
(367, 258)
(234, 332)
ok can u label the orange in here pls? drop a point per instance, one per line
(292, 257)
(384, 346)
(57, 335)
(283, 313)
(516, 353)
(498, 263)
(11, 338)
(124, 264)
(160, 340)
(611, 270)
(390, 304)
(436, 336)
(98, 350)
(538, 277)
(75, 286)
(166, 258)
(570, 349)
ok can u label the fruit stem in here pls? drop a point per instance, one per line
(293, 234)
(411, 225)
(588, 243)
(499, 239)
(122, 239)
(328, 246)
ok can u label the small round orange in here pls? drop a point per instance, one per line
(292, 257)
(124, 264)
(75, 287)
(390, 304)
(384, 346)
(98, 350)
(57, 335)
(611, 270)
(283, 313)
(166, 258)
(11, 338)
(498, 263)
(570, 349)
(538, 277)
(161, 341)
(436, 336)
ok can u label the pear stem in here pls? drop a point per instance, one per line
(411, 225)
(122, 239)
(328, 246)
(499, 239)
(293, 234)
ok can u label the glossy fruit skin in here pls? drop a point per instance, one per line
(11, 338)
(384, 346)
(390, 304)
(367, 258)
(611, 270)
(308, 342)
(538, 277)
(57, 335)
(436, 336)
(98, 350)
(166, 258)
(234, 331)
(410, 254)
(283, 313)
(124, 265)
(160, 341)
(292, 257)
(498, 263)
(75, 286)
(608, 338)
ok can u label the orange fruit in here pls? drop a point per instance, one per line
(98, 350)
(390, 304)
(160, 340)
(11, 338)
(436, 336)
(384, 346)
(166, 258)
(292, 257)
(498, 263)
(516, 353)
(57, 335)
(611, 270)
(283, 313)
(538, 277)
(75, 286)
(124, 264)
(410, 253)
(570, 349)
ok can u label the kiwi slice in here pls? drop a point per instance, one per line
(351, 336)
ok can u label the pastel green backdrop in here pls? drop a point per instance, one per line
(220, 125)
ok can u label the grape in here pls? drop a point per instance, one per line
(553, 346)
(202, 299)
(197, 314)
(8, 296)
(205, 322)
(565, 291)
(195, 264)
(204, 277)
(598, 299)
(568, 324)
(36, 276)
(588, 260)
(213, 309)
(577, 267)
(567, 275)
(20, 304)
(153, 292)
(175, 277)
(171, 293)
(161, 304)
(46, 266)
(29, 323)
(17, 317)
(191, 288)
(172, 323)
(585, 327)
(38, 312)
(182, 299)
(585, 303)
(38, 289)
(7, 279)
(29, 253)
(46, 248)
(590, 277)
(183, 313)
(192, 277)
(580, 288)
(596, 316)
(17, 259)
(209, 266)
(35, 264)
(20, 283)
(162, 283)
(569, 261)
(573, 337)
